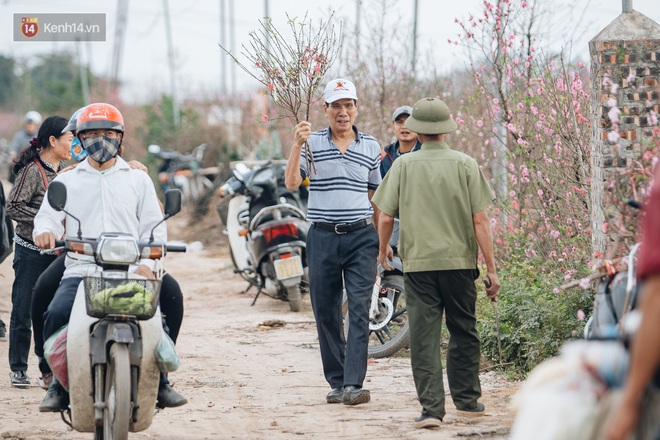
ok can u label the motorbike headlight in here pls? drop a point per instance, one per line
(118, 250)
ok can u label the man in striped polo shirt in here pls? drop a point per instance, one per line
(342, 243)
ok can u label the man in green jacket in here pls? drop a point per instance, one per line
(440, 196)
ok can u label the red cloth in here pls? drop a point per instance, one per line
(649, 254)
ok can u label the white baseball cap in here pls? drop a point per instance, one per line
(339, 88)
(32, 116)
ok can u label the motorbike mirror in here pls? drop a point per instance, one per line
(237, 175)
(242, 168)
(153, 149)
(172, 207)
(57, 200)
(57, 195)
(172, 202)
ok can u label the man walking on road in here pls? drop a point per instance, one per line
(342, 243)
(440, 196)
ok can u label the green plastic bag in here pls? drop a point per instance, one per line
(129, 298)
(166, 355)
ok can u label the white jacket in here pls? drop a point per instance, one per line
(119, 199)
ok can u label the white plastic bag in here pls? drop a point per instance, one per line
(166, 355)
(567, 397)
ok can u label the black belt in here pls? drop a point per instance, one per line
(342, 228)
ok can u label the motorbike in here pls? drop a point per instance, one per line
(566, 396)
(267, 230)
(184, 172)
(617, 294)
(114, 330)
(615, 299)
(388, 315)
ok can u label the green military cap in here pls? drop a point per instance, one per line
(430, 116)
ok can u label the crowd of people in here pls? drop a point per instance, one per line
(356, 190)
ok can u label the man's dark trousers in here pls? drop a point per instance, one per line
(428, 294)
(329, 255)
(59, 310)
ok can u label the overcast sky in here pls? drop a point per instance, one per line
(196, 33)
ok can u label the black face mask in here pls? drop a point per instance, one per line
(101, 149)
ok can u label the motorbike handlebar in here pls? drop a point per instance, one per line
(225, 190)
(176, 248)
(59, 246)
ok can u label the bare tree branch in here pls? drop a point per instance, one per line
(292, 72)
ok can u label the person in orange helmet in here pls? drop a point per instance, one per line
(110, 186)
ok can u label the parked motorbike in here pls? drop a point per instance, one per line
(267, 231)
(568, 395)
(114, 330)
(616, 297)
(388, 314)
(184, 172)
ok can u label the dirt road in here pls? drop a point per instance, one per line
(248, 380)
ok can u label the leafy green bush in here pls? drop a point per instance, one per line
(535, 317)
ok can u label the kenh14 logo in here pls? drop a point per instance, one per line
(29, 26)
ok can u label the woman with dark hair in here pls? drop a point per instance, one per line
(34, 169)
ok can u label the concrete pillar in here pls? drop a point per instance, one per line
(625, 66)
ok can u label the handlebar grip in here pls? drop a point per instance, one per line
(176, 248)
(223, 191)
(60, 243)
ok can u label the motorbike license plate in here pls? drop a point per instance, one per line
(288, 267)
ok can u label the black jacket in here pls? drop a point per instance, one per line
(390, 153)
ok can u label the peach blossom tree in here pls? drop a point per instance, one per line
(536, 136)
(529, 115)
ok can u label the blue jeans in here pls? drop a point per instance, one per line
(28, 265)
(337, 261)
